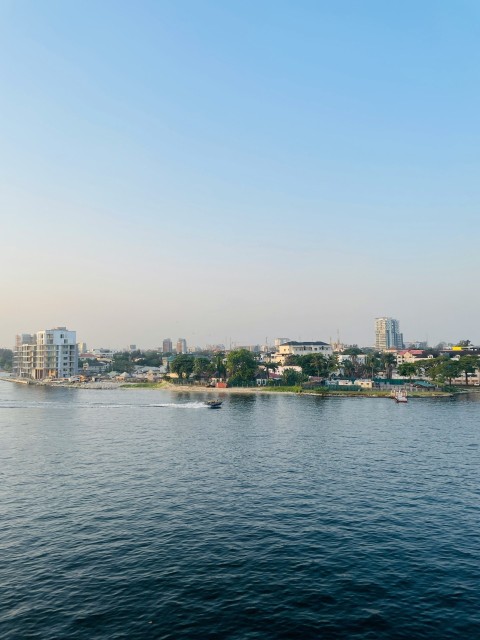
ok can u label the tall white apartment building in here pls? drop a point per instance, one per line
(50, 353)
(387, 334)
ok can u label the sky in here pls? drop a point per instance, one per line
(232, 172)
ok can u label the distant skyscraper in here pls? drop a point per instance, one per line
(82, 347)
(181, 345)
(387, 334)
(167, 346)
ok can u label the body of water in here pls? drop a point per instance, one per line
(143, 514)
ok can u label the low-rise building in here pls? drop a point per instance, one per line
(411, 355)
(294, 348)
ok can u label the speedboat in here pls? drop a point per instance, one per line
(214, 404)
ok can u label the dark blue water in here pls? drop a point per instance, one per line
(274, 517)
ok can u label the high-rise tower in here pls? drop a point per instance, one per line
(167, 346)
(181, 345)
(387, 334)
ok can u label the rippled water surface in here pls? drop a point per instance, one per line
(143, 514)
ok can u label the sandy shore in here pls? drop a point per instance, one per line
(177, 388)
(228, 390)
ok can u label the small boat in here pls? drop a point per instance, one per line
(214, 404)
(401, 396)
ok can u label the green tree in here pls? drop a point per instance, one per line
(407, 369)
(389, 362)
(442, 369)
(269, 366)
(149, 359)
(447, 369)
(319, 364)
(202, 367)
(332, 364)
(241, 366)
(464, 343)
(468, 364)
(348, 368)
(292, 377)
(182, 365)
(439, 369)
(373, 364)
(352, 351)
(122, 362)
(313, 364)
(219, 366)
(6, 359)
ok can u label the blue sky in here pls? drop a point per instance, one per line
(238, 170)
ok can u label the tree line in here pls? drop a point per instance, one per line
(6, 359)
(241, 366)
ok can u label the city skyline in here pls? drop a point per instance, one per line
(386, 335)
(223, 177)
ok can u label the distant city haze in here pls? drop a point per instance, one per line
(236, 172)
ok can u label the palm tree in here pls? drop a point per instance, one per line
(373, 365)
(269, 366)
(319, 363)
(349, 368)
(219, 365)
(389, 362)
(332, 364)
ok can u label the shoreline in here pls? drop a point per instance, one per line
(168, 386)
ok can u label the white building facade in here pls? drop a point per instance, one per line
(294, 348)
(50, 353)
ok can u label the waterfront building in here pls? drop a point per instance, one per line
(181, 345)
(50, 353)
(387, 334)
(167, 346)
(294, 348)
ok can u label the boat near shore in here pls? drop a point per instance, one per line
(400, 396)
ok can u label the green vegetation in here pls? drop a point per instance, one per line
(291, 377)
(407, 370)
(314, 364)
(122, 362)
(241, 366)
(183, 365)
(6, 359)
(297, 388)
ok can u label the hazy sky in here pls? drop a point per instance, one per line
(235, 170)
